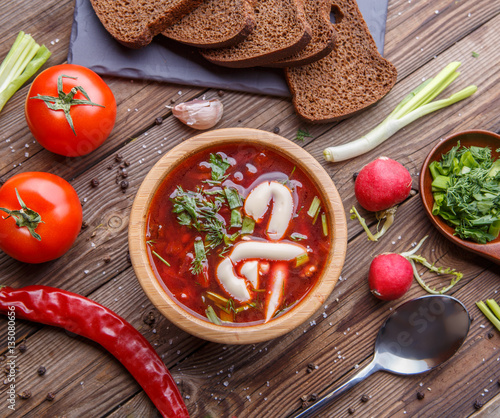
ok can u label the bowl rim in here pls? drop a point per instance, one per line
(490, 250)
(250, 333)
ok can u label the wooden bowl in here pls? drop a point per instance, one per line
(250, 333)
(490, 250)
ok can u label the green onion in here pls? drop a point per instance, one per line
(492, 318)
(315, 207)
(324, 224)
(301, 259)
(248, 226)
(217, 298)
(440, 183)
(296, 236)
(494, 307)
(415, 105)
(161, 258)
(23, 60)
(236, 221)
(212, 316)
(233, 198)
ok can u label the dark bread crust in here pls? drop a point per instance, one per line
(323, 36)
(351, 78)
(214, 24)
(269, 41)
(134, 23)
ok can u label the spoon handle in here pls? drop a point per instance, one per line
(330, 397)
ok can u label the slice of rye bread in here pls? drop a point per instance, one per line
(214, 24)
(352, 77)
(323, 35)
(281, 29)
(134, 23)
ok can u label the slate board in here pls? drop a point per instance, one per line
(167, 61)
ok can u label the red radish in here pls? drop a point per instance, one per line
(382, 184)
(379, 187)
(390, 276)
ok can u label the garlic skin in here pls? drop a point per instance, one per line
(199, 114)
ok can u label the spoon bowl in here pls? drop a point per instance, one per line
(490, 250)
(418, 336)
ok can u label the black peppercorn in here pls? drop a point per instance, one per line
(490, 335)
(276, 130)
(41, 370)
(25, 395)
(149, 319)
(94, 182)
(351, 410)
(420, 395)
(22, 347)
(365, 398)
(158, 120)
(118, 158)
(50, 396)
(478, 404)
(124, 185)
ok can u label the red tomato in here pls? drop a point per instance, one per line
(57, 203)
(92, 122)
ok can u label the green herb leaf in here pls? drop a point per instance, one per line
(219, 167)
(302, 134)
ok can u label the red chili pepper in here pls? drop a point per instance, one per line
(82, 316)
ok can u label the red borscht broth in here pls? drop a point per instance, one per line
(237, 234)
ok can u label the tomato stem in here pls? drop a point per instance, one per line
(25, 217)
(65, 101)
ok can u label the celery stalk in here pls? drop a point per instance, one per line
(22, 62)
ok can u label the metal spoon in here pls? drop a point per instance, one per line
(419, 335)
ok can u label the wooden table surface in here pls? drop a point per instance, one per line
(268, 379)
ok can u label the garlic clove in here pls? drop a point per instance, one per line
(199, 114)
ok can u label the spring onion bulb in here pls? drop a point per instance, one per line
(415, 105)
(23, 61)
